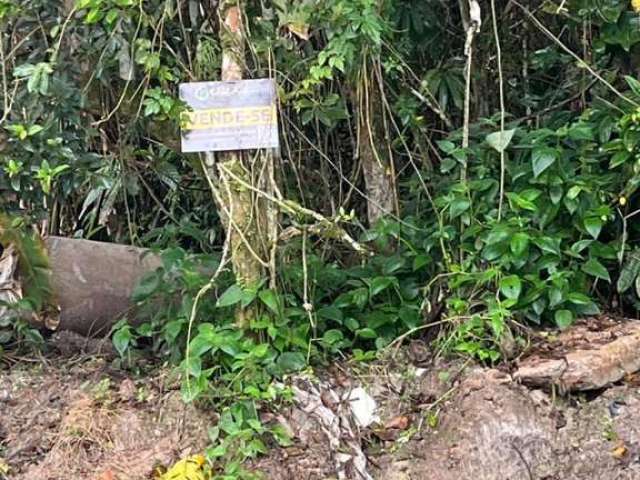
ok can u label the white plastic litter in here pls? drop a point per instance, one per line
(363, 407)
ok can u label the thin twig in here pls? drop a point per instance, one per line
(355, 188)
(5, 83)
(502, 108)
(129, 80)
(54, 55)
(581, 61)
(524, 461)
(295, 208)
(211, 283)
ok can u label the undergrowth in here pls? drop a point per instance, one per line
(88, 148)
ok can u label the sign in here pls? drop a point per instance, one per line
(236, 115)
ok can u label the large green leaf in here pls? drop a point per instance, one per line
(291, 362)
(541, 159)
(270, 299)
(593, 225)
(367, 333)
(594, 268)
(619, 158)
(629, 272)
(122, 339)
(511, 287)
(331, 312)
(564, 318)
(520, 201)
(499, 141)
(519, 243)
(231, 296)
(458, 207)
(379, 284)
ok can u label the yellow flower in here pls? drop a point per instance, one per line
(635, 4)
(623, 200)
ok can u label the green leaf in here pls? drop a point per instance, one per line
(578, 298)
(231, 296)
(122, 339)
(270, 299)
(541, 159)
(112, 16)
(521, 202)
(511, 287)
(629, 272)
(172, 329)
(379, 284)
(556, 297)
(332, 336)
(555, 193)
(393, 264)
(217, 452)
(261, 350)
(458, 207)
(593, 225)
(594, 268)
(634, 84)
(563, 318)
(499, 141)
(573, 192)
(587, 309)
(548, 244)
(352, 324)
(420, 261)
(619, 158)
(331, 313)
(94, 16)
(146, 287)
(493, 251)
(248, 296)
(291, 362)
(446, 146)
(24, 70)
(519, 244)
(581, 132)
(368, 333)
(34, 129)
(580, 245)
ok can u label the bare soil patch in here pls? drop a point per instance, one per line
(76, 416)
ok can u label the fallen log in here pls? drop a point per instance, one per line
(92, 282)
(89, 287)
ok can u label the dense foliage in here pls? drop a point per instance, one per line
(533, 223)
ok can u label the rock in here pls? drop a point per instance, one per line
(491, 430)
(587, 359)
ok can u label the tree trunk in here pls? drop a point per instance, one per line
(239, 208)
(373, 145)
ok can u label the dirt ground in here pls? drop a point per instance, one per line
(74, 416)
